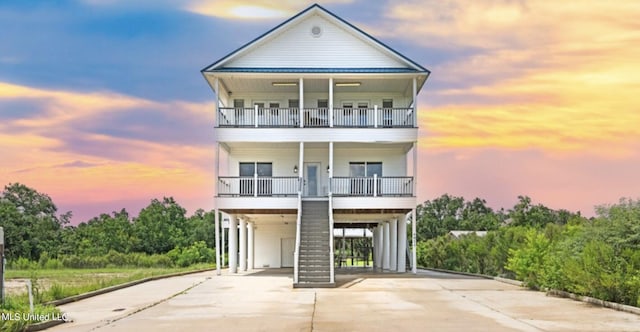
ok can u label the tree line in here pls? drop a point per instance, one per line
(544, 248)
(33, 229)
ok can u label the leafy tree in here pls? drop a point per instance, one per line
(447, 213)
(528, 262)
(160, 227)
(201, 227)
(524, 213)
(102, 234)
(30, 222)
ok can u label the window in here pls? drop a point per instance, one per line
(367, 169)
(293, 113)
(267, 112)
(260, 107)
(239, 112)
(323, 103)
(362, 177)
(362, 114)
(387, 113)
(247, 177)
(274, 108)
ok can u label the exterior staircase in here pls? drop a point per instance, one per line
(314, 270)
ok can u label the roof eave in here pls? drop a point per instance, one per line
(262, 36)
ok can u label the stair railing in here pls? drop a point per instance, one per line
(331, 258)
(296, 253)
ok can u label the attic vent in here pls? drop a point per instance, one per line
(316, 31)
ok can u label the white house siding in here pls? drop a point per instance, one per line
(267, 243)
(282, 160)
(394, 160)
(311, 98)
(297, 47)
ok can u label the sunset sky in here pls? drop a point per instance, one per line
(103, 107)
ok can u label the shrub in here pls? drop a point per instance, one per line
(23, 264)
(529, 261)
(198, 252)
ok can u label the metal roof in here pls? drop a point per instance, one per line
(312, 70)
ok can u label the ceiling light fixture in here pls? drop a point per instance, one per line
(284, 83)
(348, 84)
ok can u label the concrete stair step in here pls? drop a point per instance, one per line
(314, 285)
(309, 258)
(318, 268)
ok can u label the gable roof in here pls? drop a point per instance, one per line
(403, 64)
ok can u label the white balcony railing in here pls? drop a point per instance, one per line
(258, 186)
(316, 117)
(258, 117)
(247, 186)
(372, 186)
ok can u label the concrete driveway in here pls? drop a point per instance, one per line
(265, 301)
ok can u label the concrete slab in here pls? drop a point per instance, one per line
(265, 301)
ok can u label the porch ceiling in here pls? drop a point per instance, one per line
(368, 215)
(260, 84)
(262, 217)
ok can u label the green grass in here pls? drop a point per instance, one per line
(55, 284)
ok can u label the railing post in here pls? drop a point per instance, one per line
(255, 115)
(301, 103)
(375, 116)
(255, 184)
(331, 102)
(375, 185)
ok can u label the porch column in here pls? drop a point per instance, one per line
(216, 173)
(330, 101)
(330, 166)
(413, 241)
(415, 169)
(251, 238)
(380, 250)
(415, 102)
(217, 232)
(393, 244)
(385, 246)
(301, 106)
(222, 251)
(402, 244)
(243, 244)
(233, 244)
(216, 89)
(374, 243)
(301, 167)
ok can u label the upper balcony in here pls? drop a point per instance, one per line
(276, 117)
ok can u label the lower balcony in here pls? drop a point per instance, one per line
(257, 186)
(384, 186)
(289, 186)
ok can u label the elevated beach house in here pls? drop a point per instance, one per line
(316, 129)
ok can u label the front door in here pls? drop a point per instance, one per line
(311, 179)
(287, 247)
